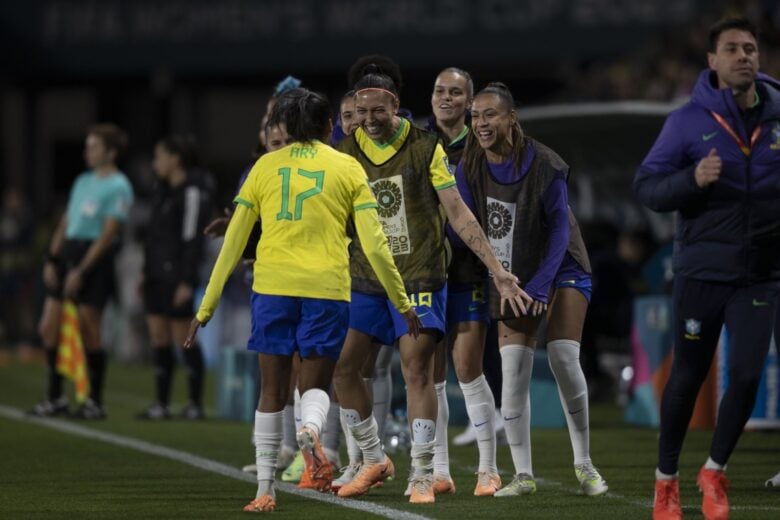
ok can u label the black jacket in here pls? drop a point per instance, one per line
(729, 231)
(174, 238)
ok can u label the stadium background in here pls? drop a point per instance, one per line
(207, 69)
(594, 80)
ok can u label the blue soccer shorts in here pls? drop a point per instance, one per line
(283, 324)
(376, 316)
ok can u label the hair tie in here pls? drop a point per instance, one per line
(288, 83)
(376, 88)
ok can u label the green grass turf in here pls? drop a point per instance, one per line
(45, 473)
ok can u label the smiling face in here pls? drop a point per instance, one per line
(375, 110)
(450, 99)
(492, 121)
(735, 60)
(349, 122)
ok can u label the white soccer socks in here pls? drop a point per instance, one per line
(314, 409)
(354, 453)
(516, 365)
(423, 445)
(297, 410)
(441, 457)
(288, 428)
(331, 435)
(481, 409)
(365, 434)
(267, 440)
(564, 358)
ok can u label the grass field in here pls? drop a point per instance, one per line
(49, 473)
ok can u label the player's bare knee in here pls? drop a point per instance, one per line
(416, 375)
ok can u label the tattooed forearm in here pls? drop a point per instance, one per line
(473, 236)
(467, 227)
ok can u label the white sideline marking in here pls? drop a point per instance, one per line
(202, 463)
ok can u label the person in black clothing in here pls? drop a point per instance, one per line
(716, 164)
(173, 252)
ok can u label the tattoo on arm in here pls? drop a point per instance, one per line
(475, 239)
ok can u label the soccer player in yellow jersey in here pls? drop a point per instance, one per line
(409, 173)
(304, 194)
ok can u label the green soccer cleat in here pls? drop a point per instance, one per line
(591, 482)
(294, 471)
(522, 484)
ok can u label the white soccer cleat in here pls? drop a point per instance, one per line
(591, 482)
(522, 484)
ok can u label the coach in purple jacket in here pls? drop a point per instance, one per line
(717, 163)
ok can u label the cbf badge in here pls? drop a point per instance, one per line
(775, 136)
(692, 329)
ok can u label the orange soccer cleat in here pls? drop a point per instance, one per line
(667, 500)
(443, 485)
(263, 504)
(367, 477)
(422, 490)
(715, 502)
(318, 473)
(487, 484)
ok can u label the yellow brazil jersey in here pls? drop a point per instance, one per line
(304, 194)
(379, 153)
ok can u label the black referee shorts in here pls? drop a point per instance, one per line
(99, 283)
(158, 299)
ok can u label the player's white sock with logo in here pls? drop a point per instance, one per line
(517, 363)
(288, 428)
(314, 409)
(564, 358)
(365, 434)
(267, 440)
(297, 410)
(354, 453)
(331, 435)
(481, 409)
(423, 445)
(441, 456)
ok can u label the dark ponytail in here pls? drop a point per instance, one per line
(305, 114)
(473, 153)
(376, 71)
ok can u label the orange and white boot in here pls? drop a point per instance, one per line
(487, 484)
(367, 477)
(261, 504)
(318, 472)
